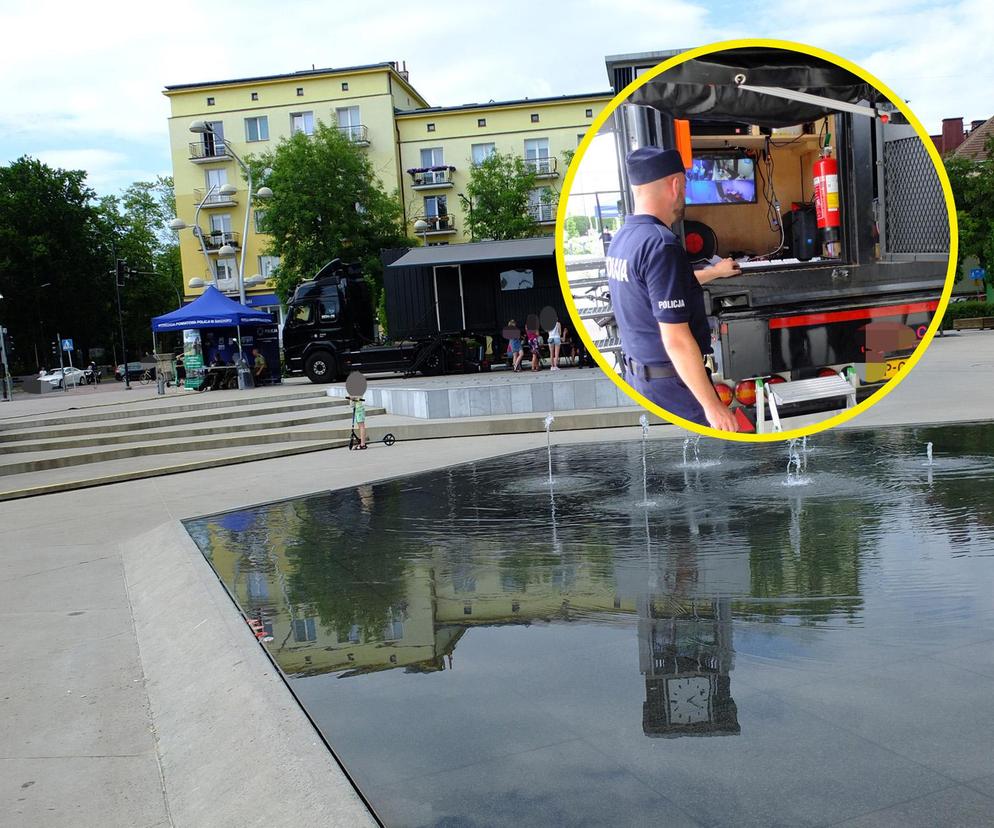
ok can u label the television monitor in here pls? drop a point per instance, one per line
(721, 179)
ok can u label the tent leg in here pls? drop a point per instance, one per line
(239, 366)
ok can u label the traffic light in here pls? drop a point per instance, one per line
(55, 348)
(122, 272)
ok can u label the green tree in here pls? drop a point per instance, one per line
(499, 189)
(137, 225)
(53, 261)
(327, 203)
(973, 190)
(576, 226)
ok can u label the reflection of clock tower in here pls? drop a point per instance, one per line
(685, 653)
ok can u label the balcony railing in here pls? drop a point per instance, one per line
(544, 167)
(209, 151)
(217, 239)
(356, 133)
(426, 177)
(215, 199)
(543, 213)
(437, 224)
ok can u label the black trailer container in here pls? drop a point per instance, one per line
(797, 315)
(447, 307)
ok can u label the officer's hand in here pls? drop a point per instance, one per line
(726, 268)
(721, 418)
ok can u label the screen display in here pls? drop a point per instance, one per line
(721, 180)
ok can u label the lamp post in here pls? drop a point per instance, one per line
(421, 226)
(178, 224)
(203, 128)
(8, 387)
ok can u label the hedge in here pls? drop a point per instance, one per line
(966, 310)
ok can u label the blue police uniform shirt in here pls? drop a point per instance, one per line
(652, 281)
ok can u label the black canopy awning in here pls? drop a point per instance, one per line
(708, 88)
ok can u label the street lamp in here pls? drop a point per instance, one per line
(468, 202)
(203, 128)
(421, 226)
(178, 224)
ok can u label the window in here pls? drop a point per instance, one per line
(354, 633)
(328, 307)
(348, 122)
(481, 122)
(221, 223)
(481, 152)
(537, 155)
(224, 272)
(258, 587)
(302, 122)
(432, 157)
(467, 609)
(255, 96)
(257, 129)
(302, 314)
(210, 102)
(300, 91)
(304, 629)
(213, 141)
(260, 221)
(216, 178)
(345, 86)
(589, 113)
(436, 213)
(267, 264)
(431, 127)
(534, 117)
(541, 206)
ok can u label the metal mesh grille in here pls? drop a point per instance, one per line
(917, 221)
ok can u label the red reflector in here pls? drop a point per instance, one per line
(725, 393)
(745, 392)
(827, 372)
(776, 379)
(745, 424)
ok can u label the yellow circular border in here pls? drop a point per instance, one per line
(842, 417)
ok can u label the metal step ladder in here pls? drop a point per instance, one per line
(785, 393)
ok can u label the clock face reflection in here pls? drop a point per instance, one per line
(689, 699)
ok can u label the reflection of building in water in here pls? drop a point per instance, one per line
(685, 653)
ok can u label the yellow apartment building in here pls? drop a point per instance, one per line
(440, 145)
(253, 114)
(376, 107)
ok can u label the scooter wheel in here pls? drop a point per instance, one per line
(389, 440)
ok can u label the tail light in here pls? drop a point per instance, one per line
(745, 392)
(827, 372)
(725, 393)
(776, 379)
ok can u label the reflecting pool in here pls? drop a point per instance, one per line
(679, 642)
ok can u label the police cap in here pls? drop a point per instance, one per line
(647, 164)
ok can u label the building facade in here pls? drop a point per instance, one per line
(407, 141)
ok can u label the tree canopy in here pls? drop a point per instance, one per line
(500, 189)
(973, 190)
(327, 203)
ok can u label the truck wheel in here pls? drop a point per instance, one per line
(320, 367)
(435, 364)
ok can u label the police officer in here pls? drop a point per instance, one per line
(657, 296)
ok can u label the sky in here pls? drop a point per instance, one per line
(80, 84)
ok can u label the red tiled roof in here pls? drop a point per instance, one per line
(973, 146)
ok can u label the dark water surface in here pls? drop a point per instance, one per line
(707, 646)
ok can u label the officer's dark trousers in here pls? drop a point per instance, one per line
(671, 394)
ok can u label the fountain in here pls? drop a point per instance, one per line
(549, 420)
(695, 444)
(928, 455)
(794, 465)
(644, 422)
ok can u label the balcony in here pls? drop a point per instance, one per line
(437, 225)
(215, 199)
(357, 134)
(427, 178)
(217, 239)
(544, 213)
(209, 152)
(544, 167)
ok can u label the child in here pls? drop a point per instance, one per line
(535, 346)
(514, 345)
(359, 418)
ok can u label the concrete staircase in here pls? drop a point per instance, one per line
(107, 444)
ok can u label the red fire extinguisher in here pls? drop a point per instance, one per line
(826, 176)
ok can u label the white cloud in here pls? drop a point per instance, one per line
(86, 76)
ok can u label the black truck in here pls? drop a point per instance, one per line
(446, 307)
(808, 301)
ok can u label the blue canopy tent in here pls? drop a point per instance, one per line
(212, 309)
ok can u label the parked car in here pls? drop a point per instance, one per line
(135, 370)
(57, 376)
